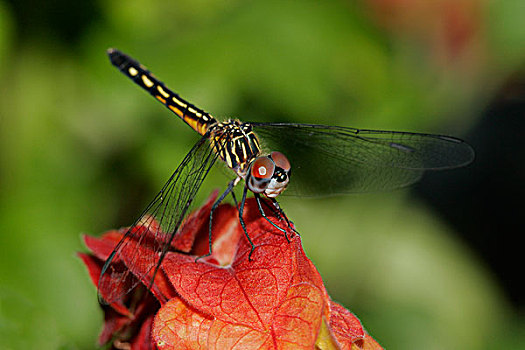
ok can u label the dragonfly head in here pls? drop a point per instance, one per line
(269, 174)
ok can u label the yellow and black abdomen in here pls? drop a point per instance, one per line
(195, 117)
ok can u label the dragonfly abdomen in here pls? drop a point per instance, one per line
(196, 118)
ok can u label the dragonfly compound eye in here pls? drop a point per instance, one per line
(260, 174)
(280, 177)
(280, 161)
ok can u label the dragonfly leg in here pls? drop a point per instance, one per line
(229, 189)
(261, 210)
(235, 202)
(273, 210)
(241, 220)
(282, 214)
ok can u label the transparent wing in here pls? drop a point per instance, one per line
(156, 227)
(328, 160)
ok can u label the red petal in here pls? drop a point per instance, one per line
(277, 298)
(368, 343)
(245, 292)
(103, 246)
(140, 253)
(194, 225)
(132, 331)
(298, 318)
(113, 323)
(162, 288)
(137, 256)
(294, 325)
(143, 340)
(177, 326)
(94, 266)
(226, 336)
(345, 326)
(226, 233)
(305, 272)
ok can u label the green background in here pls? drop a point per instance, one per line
(83, 150)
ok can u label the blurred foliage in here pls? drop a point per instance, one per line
(83, 150)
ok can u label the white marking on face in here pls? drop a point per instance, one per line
(275, 188)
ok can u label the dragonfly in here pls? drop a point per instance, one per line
(320, 159)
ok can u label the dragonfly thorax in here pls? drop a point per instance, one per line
(239, 148)
(236, 144)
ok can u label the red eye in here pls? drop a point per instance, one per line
(280, 160)
(263, 168)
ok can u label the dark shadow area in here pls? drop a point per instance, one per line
(61, 20)
(484, 202)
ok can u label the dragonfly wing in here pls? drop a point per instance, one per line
(130, 263)
(329, 159)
